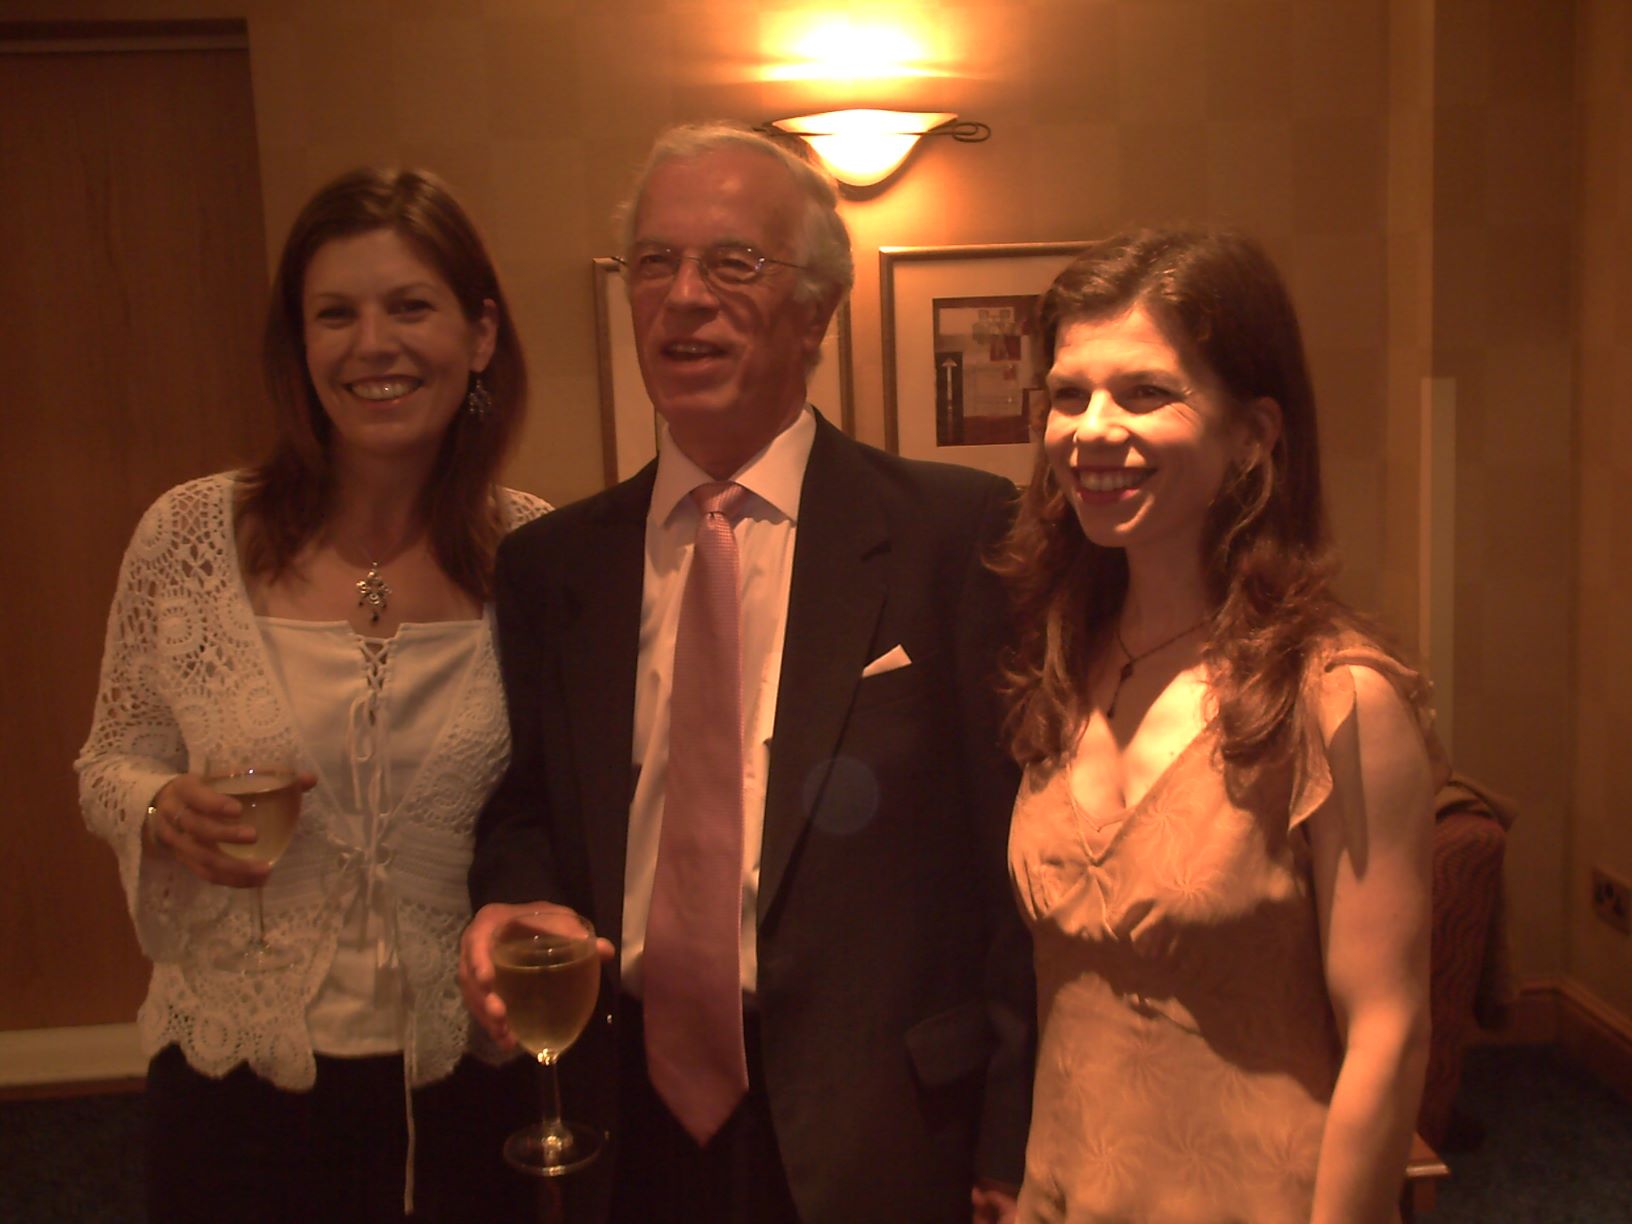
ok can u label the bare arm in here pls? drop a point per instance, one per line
(1371, 845)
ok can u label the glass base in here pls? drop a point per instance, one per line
(550, 1151)
(257, 958)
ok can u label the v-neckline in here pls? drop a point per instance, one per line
(1090, 830)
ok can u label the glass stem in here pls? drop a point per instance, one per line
(260, 923)
(557, 1138)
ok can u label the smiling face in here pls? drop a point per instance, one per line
(388, 348)
(1139, 436)
(724, 365)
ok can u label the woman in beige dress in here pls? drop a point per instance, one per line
(1222, 840)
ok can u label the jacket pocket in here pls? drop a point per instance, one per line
(950, 1045)
(912, 682)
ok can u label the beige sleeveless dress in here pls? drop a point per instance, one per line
(1187, 1048)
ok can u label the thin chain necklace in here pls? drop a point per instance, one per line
(1133, 659)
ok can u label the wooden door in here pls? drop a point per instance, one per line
(133, 276)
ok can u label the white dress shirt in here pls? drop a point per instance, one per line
(765, 533)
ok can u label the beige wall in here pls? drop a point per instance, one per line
(1409, 162)
(1268, 114)
(1601, 833)
(1503, 199)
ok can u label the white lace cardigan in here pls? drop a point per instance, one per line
(185, 670)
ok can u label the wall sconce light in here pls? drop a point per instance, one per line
(862, 148)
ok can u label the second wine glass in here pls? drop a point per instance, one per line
(548, 972)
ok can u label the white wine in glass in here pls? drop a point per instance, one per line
(269, 795)
(548, 972)
(271, 805)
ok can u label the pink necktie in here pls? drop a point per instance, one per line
(692, 965)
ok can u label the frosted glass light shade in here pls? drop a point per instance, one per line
(864, 147)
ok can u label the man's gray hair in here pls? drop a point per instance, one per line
(825, 240)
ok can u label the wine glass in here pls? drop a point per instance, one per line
(547, 970)
(267, 791)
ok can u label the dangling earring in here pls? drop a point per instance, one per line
(477, 401)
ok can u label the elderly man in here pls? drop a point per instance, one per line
(754, 743)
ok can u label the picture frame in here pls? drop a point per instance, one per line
(629, 424)
(959, 380)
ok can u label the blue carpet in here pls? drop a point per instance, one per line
(75, 1160)
(1556, 1148)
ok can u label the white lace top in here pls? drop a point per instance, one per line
(370, 710)
(184, 672)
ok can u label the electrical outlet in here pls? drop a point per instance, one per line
(1612, 900)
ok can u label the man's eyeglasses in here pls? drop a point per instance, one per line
(651, 264)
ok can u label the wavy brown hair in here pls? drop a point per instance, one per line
(1267, 554)
(286, 498)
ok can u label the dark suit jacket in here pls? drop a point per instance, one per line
(895, 991)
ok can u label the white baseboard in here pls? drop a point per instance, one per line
(1596, 1036)
(1561, 1011)
(1532, 1017)
(70, 1055)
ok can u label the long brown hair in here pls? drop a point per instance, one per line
(1267, 554)
(286, 497)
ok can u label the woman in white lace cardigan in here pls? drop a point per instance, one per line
(329, 605)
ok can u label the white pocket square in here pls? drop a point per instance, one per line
(891, 660)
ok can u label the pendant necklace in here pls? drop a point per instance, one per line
(1133, 659)
(373, 593)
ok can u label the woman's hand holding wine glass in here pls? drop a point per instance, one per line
(229, 827)
(196, 824)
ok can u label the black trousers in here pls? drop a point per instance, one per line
(239, 1149)
(662, 1176)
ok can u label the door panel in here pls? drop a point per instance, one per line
(134, 276)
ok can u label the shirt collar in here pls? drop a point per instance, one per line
(775, 475)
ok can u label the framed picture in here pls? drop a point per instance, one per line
(628, 421)
(960, 382)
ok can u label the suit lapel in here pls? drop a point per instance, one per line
(842, 547)
(600, 642)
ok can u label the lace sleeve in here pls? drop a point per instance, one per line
(519, 508)
(135, 746)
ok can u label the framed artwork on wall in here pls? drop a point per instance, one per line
(960, 382)
(628, 422)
